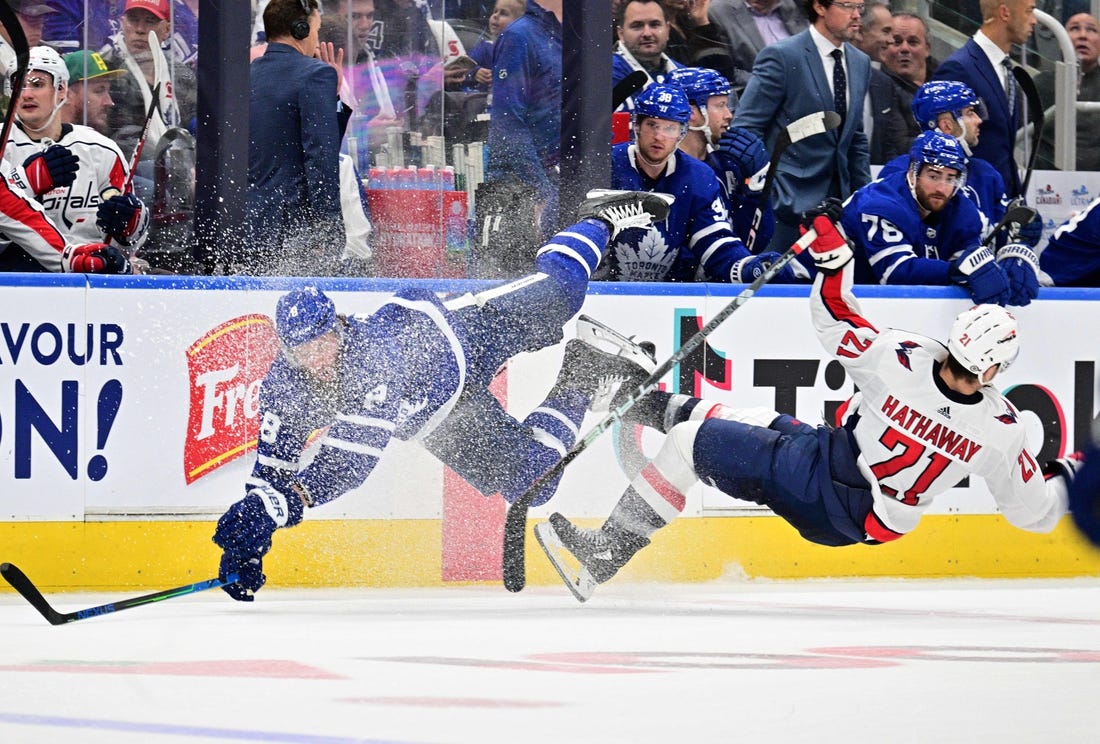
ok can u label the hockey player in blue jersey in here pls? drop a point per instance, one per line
(420, 367)
(737, 156)
(914, 227)
(952, 108)
(696, 242)
(1071, 257)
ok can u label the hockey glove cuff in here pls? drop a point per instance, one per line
(977, 270)
(1021, 266)
(742, 155)
(54, 167)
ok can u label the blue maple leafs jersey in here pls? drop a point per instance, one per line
(894, 246)
(1072, 256)
(695, 243)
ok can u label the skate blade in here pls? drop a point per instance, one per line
(572, 573)
(607, 339)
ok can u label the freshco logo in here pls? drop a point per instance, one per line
(225, 368)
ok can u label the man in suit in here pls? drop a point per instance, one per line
(296, 122)
(750, 25)
(983, 63)
(887, 121)
(799, 76)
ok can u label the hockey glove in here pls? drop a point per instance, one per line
(831, 207)
(830, 250)
(742, 155)
(750, 268)
(244, 533)
(977, 270)
(1066, 467)
(1021, 266)
(54, 167)
(120, 215)
(95, 258)
(1030, 233)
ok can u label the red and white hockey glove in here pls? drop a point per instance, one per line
(95, 258)
(1066, 467)
(830, 250)
(54, 167)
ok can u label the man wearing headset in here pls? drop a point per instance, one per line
(296, 122)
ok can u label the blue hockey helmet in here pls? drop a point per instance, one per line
(302, 315)
(943, 97)
(938, 150)
(661, 101)
(699, 84)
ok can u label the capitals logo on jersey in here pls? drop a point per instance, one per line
(903, 350)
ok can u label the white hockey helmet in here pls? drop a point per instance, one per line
(47, 60)
(983, 336)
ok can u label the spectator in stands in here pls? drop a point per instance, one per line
(479, 75)
(983, 63)
(909, 59)
(77, 174)
(525, 127)
(694, 40)
(296, 123)
(89, 101)
(642, 28)
(815, 70)
(129, 50)
(31, 15)
(696, 242)
(887, 121)
(1071, 257)
(1084, 33)
(78, 24)
(403, 30)
(750, 25)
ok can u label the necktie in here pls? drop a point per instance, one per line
(1010, 86)
(840, 84)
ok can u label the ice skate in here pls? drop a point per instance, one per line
(585, 558)
(625, 209)
(601, 360)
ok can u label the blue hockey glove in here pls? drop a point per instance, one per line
(244, 533)
(120, 215)
(977, 270)
(1030, 233)
(54, 167)
(1021, 266)
(750, 268)
(744, 158)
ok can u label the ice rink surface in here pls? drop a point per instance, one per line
(883, 661)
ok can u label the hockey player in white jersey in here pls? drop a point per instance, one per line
(420, 368)
(76, 173)
(925, 415)
(696, 242)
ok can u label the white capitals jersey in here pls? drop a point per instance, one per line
(101, 166)
(917, 437)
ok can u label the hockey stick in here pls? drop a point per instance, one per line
(811, 124)
(1018, 213)
(1038, 119)
(627, 87)
(154, 108)
(26, 587)
(22, 58)
(515, 521)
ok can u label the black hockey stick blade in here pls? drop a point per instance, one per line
(514, 557)
(799, 129)
(1018, 213)
(29, 591)
(1038, 119)
(627, 87)
(22, 51)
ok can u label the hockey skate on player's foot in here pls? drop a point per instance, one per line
(601, 360)
(625, 209)
(585, 558)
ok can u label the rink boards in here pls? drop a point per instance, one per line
(128, 420)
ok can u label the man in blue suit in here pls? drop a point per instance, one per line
(799, 76)
(983, 64)
(295, 121)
